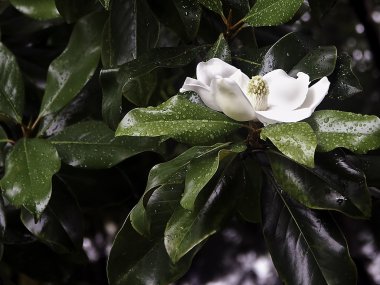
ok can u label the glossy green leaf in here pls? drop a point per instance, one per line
(317, 63)
(286, 53)
(295, 140)
(356, 132)
(190, 13)
(180, 119)
(139, 90)
(249, 60)
(220, 50)
(174, 171)
(139, 261)
(72, 10)
(344, 83)
(272, 12)
(306, 246)
(92, 144)
(37, 9)
(61, 224)
(71, 70)
(115, 81)
(213, 5)
(168, 173)
(29, 168)
(249, 202)
(334, 184)
(11, 86)
(186, 229)
(200, 171)
(133, 30)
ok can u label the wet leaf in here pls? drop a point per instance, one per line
(11, 86)
(201, 170)
(334, 184)
(213, 5)
(186, 229)
(29, 168)
(92, 144)
(295, 140)
(220, 50)
(317, 63)
(272, 12)
(37, 9)
(133, 30)
(61, 224)
(319, 8)
(180, 119)
(190, 13)
(71, 71)
(136, 260)
(356, 132)
(249, 203)
(344, 83)
(306, 246)
(115, 81)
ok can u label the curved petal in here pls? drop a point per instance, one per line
(286, 92)
(272, 116)
(203, 91)
(316, 94)
(241, 79)
(232, 100)
(214, 68)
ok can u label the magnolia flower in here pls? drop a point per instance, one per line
(274, 97)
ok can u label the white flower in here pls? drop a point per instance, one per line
(274, 97)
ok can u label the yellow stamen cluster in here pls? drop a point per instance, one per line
(258, 93)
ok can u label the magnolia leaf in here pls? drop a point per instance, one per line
(272, 12)
(116, 82)
(136, 260)
(200, 171)
(37, 9)
(356, 132)
(344, 83)
(213, 5)
(249, 202)
(11, 86)
(69, 72)
(220, 50)
(180, 119)
(61, 224)
(131, 20)
(190, 13)
(92, 144)
(187, 229)
(334, 184)
(305, 241)
(317, 63)
(295, 140)
(3, 224)
(29, 168)
(319, 8)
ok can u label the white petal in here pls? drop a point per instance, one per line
(203, 91)
(272, 116)
(316, 94)
(232, 100)
(214, 68)
(286, 92)
(241, 79)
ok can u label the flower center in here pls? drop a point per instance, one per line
(258, 93)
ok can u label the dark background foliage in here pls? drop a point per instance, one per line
(100, 199)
